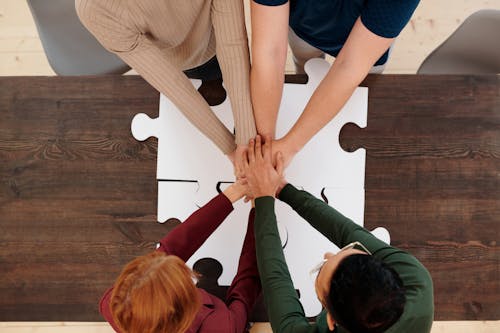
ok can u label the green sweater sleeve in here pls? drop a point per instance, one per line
(339, 229)
(285, 311)
(419, 306)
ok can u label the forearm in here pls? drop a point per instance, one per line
(328, 221)
(325, 103)
(284, 308)
(266, 89)
(246, 286)
(358, 55)
(155, 68)
(269, 50)
(233, 56)
(185, 239)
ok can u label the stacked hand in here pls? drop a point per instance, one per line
(258, 169)
(286, 151)
(262, 176)
(240, 153)
(236, 158)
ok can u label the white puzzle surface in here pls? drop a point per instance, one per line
(186, 154)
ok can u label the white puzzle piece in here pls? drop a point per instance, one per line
(226, 242)
(186, 154)
(175, 200)
(322, 162)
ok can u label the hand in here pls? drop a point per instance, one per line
(287, 152)
(236, 157)
(262, 177)
(236, 191)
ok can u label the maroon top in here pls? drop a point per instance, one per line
(183, 241)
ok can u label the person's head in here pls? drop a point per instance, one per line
(360, 292)
(155, 293)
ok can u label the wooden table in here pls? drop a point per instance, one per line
(78, 192)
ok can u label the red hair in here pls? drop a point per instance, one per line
(155, 293)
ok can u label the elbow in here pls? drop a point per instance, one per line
(109, 32)
(271, 56)
(84, 10)
(351, 69)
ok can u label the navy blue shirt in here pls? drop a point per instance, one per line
(326, 24)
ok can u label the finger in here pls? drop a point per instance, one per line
(280, 164)
(267, 149)
(258, 147)
(251, 151)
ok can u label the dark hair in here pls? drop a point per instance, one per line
(366, 295)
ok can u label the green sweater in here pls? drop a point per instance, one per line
(286, 313)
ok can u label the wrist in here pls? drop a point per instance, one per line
(234, 192)
(293, 142)
(264, 195)
(267, 193)
(265, 134)
(280, 187)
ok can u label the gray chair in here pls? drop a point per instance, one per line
(474, 48)
(70, 48)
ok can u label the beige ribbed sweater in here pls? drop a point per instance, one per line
(161, 38)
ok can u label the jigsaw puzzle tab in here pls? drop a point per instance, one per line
(184, 153)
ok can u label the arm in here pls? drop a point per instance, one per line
(171, 81)
(419, 308)
(269, 49)
(328, 221)
(360, 52)
(186, 238)
(283, 306)
(232, 53)
(246, 285)
(142, 54)
(182, 241)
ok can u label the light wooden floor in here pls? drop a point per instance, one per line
(21, 53)
(80, 327)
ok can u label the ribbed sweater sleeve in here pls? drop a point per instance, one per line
(142, 53)
(232, 52)
(155, 68)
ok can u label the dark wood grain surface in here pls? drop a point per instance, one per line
(78, 192)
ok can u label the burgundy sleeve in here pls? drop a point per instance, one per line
(184, 239)
(187, 237)
(246, 285)
(106, 311)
